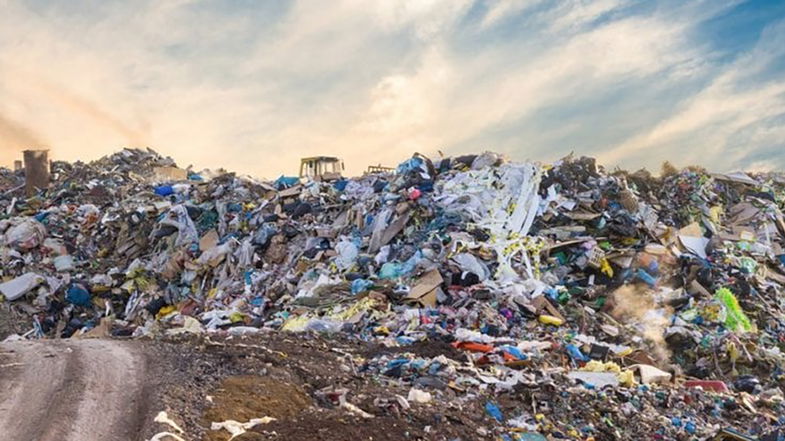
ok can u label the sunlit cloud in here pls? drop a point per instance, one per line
(254, 86)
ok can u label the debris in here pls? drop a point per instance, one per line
(236, 428)
(419, 396)
(163, 418)
(530, 278)
(18, 287)
(651, 374)
(595, 379)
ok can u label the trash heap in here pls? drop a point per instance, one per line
(580, 298)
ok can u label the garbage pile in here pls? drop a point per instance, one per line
(582, 299)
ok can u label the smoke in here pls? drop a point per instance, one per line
(637, 306)
(14, 135)
(100, 117)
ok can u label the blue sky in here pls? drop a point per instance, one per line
(254, 85)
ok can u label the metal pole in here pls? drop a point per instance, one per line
(36, 171)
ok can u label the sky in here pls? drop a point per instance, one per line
(253, 85)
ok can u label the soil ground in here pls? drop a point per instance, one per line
(111, 390)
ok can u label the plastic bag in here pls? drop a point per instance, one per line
(178, 218)
(347, 254)
(470, 263)
(25, 235)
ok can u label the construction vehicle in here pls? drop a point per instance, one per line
(321, 168)
(372, 169)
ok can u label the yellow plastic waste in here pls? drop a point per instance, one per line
(551, 320)
(363, 305)
(598, 366)
(295, 323)
(733, 351)
(382, 330)
(714, 213)
(625, 376)
(606, 267)
(166, 310)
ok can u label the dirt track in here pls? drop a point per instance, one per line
(74, 390)
(111, 390)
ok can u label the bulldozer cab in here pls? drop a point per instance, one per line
(321, 168)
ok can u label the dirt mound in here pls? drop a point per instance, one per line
(246, 397)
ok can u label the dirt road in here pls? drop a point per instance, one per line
(71, 390)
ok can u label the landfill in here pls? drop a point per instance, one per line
(587, 304)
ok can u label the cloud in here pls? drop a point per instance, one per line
(739, 98)
(252, 86)
(500, 10)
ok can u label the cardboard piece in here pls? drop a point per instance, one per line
(425, 291)
(737, 177)
(640, 357)
(693, 243)
(650, 374)
(394, 228)
(170, 173)
(582, 215)
(732, 435)
(742, 213)
(291, 192)
(541, 304)
(209, 240)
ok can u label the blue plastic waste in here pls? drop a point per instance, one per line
(340, 185)
(515, 352)
(575, 353)
(164, 190)
(494, 411)
(78, 295)
(361, 285)
(646, 277)
(409, 165)
(531, 436)
(394, 270)
(404, 340)
(392, 364)
(285, 182)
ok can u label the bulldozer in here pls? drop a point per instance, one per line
(321, 168)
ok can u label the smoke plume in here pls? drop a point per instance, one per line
(636, 305)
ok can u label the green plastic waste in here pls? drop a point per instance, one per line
(735, 319)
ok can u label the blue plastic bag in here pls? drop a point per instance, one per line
(340, 185)
(285, 182)
(164, 190)
(494, 411)
(361, 285)
(78, 295)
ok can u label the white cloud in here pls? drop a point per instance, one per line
(253, 90)
(734, 100)
(576, 13)
(500, 10)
